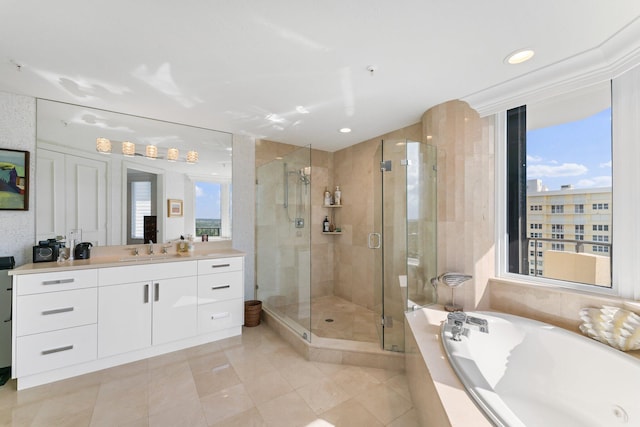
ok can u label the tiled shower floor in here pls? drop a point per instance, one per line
(334, 317)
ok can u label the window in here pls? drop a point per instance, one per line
(140, 207)
(559, 152)
(208, 209)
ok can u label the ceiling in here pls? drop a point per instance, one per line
(297, 71)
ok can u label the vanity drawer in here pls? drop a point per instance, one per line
(219, 287)
(142, 273)
(220, 315)
(52, 350)
(219, 265)
(27, 284)
(56, 310)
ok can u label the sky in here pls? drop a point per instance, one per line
(577, 153)
(207, 200)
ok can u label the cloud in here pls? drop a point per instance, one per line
(606, 164)
(565, 169)
(533, 159)
(199, 191)
(596, 181)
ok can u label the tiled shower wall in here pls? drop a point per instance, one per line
(342, 265)
(466, 197)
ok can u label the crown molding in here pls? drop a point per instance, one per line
(613, 57)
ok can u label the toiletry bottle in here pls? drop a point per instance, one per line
(337, 196)
(325, 224)
(327, 197)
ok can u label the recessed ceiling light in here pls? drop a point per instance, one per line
(345, 130)
(519, 56)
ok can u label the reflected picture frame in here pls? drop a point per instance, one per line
(14, 180)
(174, 207)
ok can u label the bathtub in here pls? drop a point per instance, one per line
(527, 373)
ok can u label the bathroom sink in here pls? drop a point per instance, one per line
(145, 258)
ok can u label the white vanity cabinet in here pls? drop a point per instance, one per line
(220, 294)
(83, 319)
(144, 305)
(55, 320)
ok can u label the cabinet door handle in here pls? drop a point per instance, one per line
(146, 293)
(58, 282)
(157, 292)
(219, 315)
(57, 311)
(220, 265)
(56, 350)
(213, 288)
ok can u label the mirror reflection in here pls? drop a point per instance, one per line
(125, 179)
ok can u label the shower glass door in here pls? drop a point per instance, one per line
(283, 239)
(405, 248)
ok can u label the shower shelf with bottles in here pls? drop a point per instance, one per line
(332, 219)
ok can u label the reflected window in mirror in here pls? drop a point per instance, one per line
(71, 166)
(212, 209)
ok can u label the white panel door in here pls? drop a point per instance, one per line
(175, 309)
(87, 198)
(50, 204)
(124, 318)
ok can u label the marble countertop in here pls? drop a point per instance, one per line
(122, 256)
(460, 409)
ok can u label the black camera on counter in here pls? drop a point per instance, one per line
(47, 250)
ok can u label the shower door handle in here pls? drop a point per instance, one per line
(377, 240)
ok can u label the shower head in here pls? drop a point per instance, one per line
(304, 174)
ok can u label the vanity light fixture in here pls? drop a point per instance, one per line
(519, 56)
(103, 145)
(172, 154)
(192, 156)
(151, 151)
(345, 130)
(128, 148)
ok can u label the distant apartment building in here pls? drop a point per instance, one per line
(569, 221)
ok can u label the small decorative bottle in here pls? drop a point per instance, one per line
(325, 224)
(337, 195)
(327, 197)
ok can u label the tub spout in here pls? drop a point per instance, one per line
(478, 324)
(460, 324)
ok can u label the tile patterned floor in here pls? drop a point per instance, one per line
(252, 380)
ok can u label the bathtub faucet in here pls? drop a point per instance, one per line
(461, 323)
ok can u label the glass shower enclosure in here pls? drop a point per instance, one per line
(283, 239)
(404, 236)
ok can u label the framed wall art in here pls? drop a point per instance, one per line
(14, 180)
(174, 207)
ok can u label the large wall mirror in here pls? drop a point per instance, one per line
(146, 180)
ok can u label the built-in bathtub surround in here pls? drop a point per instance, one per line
(524, 373)
(438, 395)
(466, 199)
(554, 305)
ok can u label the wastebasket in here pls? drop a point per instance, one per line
(252, 310)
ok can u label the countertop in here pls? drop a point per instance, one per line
(119, 257)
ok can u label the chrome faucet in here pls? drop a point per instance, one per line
(150, 247)
(461, 323)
